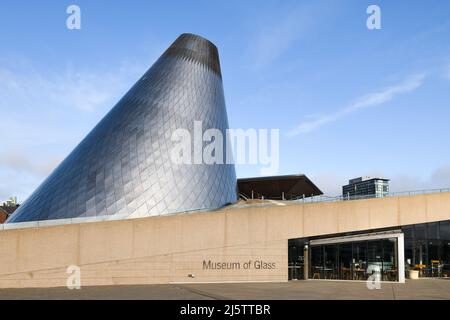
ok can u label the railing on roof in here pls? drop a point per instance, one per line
(304, 199)
(325, 198)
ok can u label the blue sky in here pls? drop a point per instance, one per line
(348, 101)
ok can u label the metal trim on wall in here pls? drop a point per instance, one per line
(359, 237)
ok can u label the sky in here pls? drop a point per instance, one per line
(348, 101)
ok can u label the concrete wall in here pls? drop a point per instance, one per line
(168, 249)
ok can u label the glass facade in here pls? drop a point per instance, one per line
(124, 166)
(296, 266)
(427, 250)
(371, 188)
(355, 260)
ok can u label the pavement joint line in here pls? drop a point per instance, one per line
(201, 293)
(393, 292)
(307, 290)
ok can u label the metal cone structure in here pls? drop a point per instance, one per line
(124, 168)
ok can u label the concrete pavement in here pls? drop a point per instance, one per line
(297, 290)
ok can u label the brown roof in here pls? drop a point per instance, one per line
(9, 210)
(3, 216)
(293, 187)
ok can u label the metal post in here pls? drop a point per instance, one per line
(401, 258)
(305, 262)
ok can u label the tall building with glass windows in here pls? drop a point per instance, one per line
(124, 166)
(366, 187)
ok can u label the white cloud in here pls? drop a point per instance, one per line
(280, 29)
(83, 90)
(439, 179)
(21, 162)
(22, 172)
(272, 42)
(4, 194)
(329, 183)
(44, 115)
(447, 72)
(367, 101)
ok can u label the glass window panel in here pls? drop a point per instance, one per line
(421, 257)
(390, 269)
(345, 261)
(330, 262)
(445, 258)
(433, 230)
(408, 232)
(434, 248)
(296, 259)
(420, 231)
(444, 230)
(316, 262)
(374, 256)
(359, 261)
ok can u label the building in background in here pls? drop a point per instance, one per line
(7, 208)
(288, 187)
(11, 202)
(366, 187)
(3, 215)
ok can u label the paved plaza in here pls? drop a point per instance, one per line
(301, 290)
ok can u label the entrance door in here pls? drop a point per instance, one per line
(296, 260)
